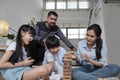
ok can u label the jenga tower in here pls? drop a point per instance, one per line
(67, 67)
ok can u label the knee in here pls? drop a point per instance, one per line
(43, 70)
(115, 68)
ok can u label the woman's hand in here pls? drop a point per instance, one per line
(28, 61)
(85, 57)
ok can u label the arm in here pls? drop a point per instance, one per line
(61, 56)
(5, 64)
(51, 61)
(102, 61)
(65, 40)
(94, 62)
(37, 37)
(4, 60)
(78, 56)
(48, 58)
(103, 54)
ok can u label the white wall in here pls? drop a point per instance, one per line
(18, 12)
(111, 15)
(97, 17)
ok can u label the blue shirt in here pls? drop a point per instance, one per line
(57, 58)
(82, 48)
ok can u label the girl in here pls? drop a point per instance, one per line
(15, 63)
(92, 54)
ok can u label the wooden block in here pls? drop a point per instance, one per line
(67, 67)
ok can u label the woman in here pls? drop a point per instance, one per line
(15, 63)
(92, 54)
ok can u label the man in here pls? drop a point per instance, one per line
(43, 30)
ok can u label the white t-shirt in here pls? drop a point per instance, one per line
(12, 46)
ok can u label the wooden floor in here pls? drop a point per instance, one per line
(1, 77)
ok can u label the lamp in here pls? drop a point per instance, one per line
(4, 26)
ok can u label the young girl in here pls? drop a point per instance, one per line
(15, 63)
(92, 54)
(54, 54)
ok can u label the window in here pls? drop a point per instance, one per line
(64, 31)
(67, 4)
(82, 33)
(72, 4)
(50, 5)
(74, 33)
(61, 5)
(83, 5)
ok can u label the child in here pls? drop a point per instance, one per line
(54, 54)
(15, 63)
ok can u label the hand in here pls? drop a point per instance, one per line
(28, 61)
(44, 41)
(74, 49)
(85, 57)
(73, 54)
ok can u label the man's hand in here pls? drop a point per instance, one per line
(73, 54)
(74, 49)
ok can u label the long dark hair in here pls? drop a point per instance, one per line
(18, 53)
(99, 41)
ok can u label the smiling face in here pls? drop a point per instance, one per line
(91, 37)
(51, 20)
(26, 37)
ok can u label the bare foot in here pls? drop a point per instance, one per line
(100, 78)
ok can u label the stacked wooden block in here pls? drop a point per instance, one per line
(1, 78)
(67, 67)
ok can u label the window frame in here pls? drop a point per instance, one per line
(66, 2)
(79, 28)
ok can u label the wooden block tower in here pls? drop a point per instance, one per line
(67, 67)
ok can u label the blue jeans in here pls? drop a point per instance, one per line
(88, 72)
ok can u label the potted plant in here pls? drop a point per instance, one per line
(32, 22)
(10, 38)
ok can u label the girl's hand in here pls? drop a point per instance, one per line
(85, 57)
(28, 61)
(44, 41)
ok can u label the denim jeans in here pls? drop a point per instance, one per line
(88, 72)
